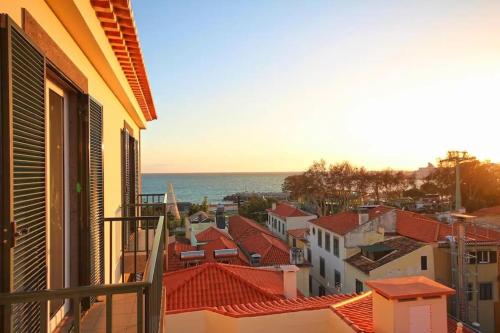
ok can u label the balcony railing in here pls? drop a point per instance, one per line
(141, 236)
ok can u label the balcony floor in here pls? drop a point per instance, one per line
(124, 315)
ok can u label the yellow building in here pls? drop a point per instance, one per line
(74, 98)
(394, 257)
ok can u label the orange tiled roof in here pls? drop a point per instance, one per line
(254, 238)
(298, 233)
(117, 21)
(285, 209)
(340, 223)
(425, 229)
(214, 284)
(210, 234)
(223, 242)
(344, 222)
(489, 211)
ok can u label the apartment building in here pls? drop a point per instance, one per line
(72, 81)
(334, 238)
(283, 216)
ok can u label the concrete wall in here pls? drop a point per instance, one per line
(318, 321)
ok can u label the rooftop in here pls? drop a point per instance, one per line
(210, 234)
(215, 284)
(390, 249)
(344, 222)
(409, 287)
(489, 211)
(284, 209)
(300, 233)
(254, 238)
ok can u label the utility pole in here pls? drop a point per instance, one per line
(454, 158)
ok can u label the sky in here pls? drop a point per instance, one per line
(273, 85)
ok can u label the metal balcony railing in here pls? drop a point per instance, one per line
(146, 280)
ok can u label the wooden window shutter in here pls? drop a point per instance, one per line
(126, 169)
(96, 193)
(493, 257)
(22, 169)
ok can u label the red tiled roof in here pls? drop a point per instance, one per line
(214, 284)
(489, 211)
(298, 233)
(254, 238)
(340, 223)
(344, 222)
(425, 229)
(223, 242)
(285, 209)
(210, 234)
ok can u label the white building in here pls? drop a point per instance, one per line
(284, 216)
(334, 238)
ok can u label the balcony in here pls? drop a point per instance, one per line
(136, 302)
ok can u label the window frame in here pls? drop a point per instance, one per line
(322, 267)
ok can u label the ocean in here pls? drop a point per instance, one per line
(194, 187)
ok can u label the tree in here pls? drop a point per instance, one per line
(195, 208)
(256, 208)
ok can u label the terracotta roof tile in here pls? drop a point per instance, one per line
(299, 233)
(222, 242)
(489, 211)
(285, 209)
(254, 238)
(428, 230)
(211, 233)
(214, 284)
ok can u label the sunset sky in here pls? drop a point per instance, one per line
(271, 85)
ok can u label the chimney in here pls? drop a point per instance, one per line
(289, 280)
(409, 304)
(460, 328)
(363, 216)
(274, 206)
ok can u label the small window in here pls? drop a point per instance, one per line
(337, 280)
(359, 286)
(423, 263)
(483, 257)
(321, 291)
(485, 291)
(314, 231)
(327, 241)
(294, 242)
(336, 247)
(279, 226)
(309, 255)
(320, 238)
(322, 266)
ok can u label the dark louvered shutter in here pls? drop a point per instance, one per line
(23, 171)
(126, 169)
(96, 193)
(135, 168)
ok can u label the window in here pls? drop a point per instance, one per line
(359, 286)
(469, 292)
(336, 246)
(482, 257)
(485, 291)
(283, 229)
(327, 241)
(309, 255)
(310, 284)
(321, 291)
(423, 263)
(294, 242)
(314, 231)
(320, 238)
(279, 226)
(322, 266)
(337, 280)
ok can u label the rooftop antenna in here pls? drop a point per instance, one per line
(453, 159)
